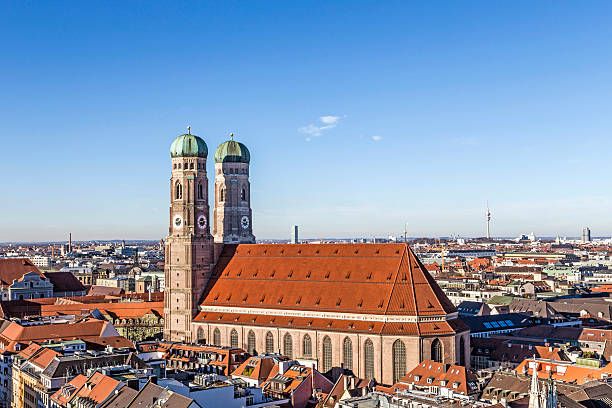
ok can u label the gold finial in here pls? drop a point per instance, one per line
(232, 136)
(189, 130)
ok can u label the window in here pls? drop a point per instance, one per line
(269, 343)
(243, 194)
(201, 338)
(462, 352)
(368, 353)
(234, 339)
(327, 354)
(178, 194)
(222, 194)
(288, 345)
(307, 346)
(200, 191)
(251, 342)
(399, 360)
(191, 165)
(436, 351)
(347, 353)
(217, 337)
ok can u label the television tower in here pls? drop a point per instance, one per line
(488, 218)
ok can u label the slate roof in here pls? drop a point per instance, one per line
(64, 282)
(504, 321)
(152, 395)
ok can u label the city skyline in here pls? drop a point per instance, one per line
(476, 107)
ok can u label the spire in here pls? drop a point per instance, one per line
(188, 130)
(534, 392)
(231, 136)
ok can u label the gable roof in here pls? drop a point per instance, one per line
(16, 333)
(152, 395)
(64, 282)
(257, 367)
(14, 268)
(353, 278)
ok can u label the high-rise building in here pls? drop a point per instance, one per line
(586, 234)
(294, 235)
(189, 245)
(233, 222)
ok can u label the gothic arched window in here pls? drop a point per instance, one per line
(216, 337)
(200, 191)
(306, 346)
(222, 194)
(461, 351)
(269, 343)
(251, 342)
(243, 194)
(347, 353)
(201, 335)
(234, 339)
(368, 354)
(436, 351)
(288, 345)
(178, 194)
(327, 354)
(399, 360)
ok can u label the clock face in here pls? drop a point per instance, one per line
(178, 221)
(202, 221)
(245, 222)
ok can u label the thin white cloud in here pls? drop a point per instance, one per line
(376, 138)
(316, 130)
(330, 120)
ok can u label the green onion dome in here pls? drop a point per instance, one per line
(188, 145)
(232, 152)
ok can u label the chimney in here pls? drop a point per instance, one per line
(133, 384)
(153, 379)
(346, 381)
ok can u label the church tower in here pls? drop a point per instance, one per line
(189, 245)
(233, 221)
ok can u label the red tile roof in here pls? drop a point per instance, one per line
(351, 278)
(16, 333)
(429, 373)
(14, 268)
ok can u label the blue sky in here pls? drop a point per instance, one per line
(360, 116)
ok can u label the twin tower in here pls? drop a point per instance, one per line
(190, 247)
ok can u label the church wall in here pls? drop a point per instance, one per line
(383, 346)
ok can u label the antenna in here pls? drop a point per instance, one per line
(488, 219)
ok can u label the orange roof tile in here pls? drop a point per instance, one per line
(352, 278)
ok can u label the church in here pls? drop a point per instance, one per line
(370, 308)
